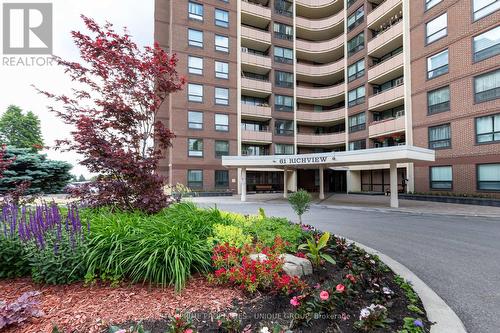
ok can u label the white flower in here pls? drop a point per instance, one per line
(264, 330)
(365, 313)
(387, 291)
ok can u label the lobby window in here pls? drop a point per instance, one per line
(488, 129)
(431, 3)
(487, 87)
(195, 38)
(355, 19)
(221, 18)
(283, 31)
(487, 45)
(195, 179)
(357, 145)
(488, 177)
(283, 7)
(437, 64)
(195, 92)
(283, 55)
(221, 178)
(357, 122)
(222, 43)
(195, 120)
(195, 147)
(195, 11)
(356, 96)
(284, 127)
(221, 148)
(221, 96)
(436, 29)
(438, 100)
(221, 122)
(283, 103)
(356, 44)
(283, 79)
(195, 65)
(356, 70)
(483, 8)
(282, 149)
(221, 70)
(440, 136)
(441, 177)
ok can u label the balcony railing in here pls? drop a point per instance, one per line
(328, 139)
(386, 126)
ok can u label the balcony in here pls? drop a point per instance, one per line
(323, 51)
(255, 63)
(387, 40)
(255, 39)
(324, 117)
(387, 99)
(383, 13)
(320, 29)
(332, 139)
(324, 74)
(256, 136)
(318, 8)
(386, 127)
(320, 95)
(255, 112)
(256, 88)
(387, 70)
(255, 14)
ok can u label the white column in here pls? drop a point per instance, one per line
(243, 184)
(285, 184)
(321, 183)
(394, 186)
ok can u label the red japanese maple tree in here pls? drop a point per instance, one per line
(114, 107)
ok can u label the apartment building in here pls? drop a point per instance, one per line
(282, 77)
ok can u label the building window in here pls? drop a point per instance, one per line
(221, 96)
(221, 18)
(195, 179)
(350, 3)
(283, 54)
(440, 137)
(283, 103)
(195, 11)
(222, 43)
(357, 122)
(283, 79)
(195, 65)
(357, 145)
(488, 177)
(483, 8)
(283, 31)
(356, 96)
(282, 149)
(195, 38)
(355, 19)
(437, 64)
(431, 3)
(221, 70)
(487, 44)
(356, 44)
(251, 100)
(195, 92)
(221, 178)
(438, 100)
(356, 70)
(488, 129)
(221, 148)
(487, 87)
(249, 150)
(195, 147)
(284, 127)
(283, 7)
(195, 120)
(436, 29)
(221, 122)
(441, 177)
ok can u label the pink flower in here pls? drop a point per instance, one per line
(351, 278)
(324, 295)
(340, 288)
(295, 301)
(188, 331)
(317, 286)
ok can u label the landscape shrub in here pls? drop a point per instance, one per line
(300, 202)
(22, 309)
(230, 234)
(12, 260)
(266, 229)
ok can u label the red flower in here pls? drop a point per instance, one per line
(340, 288)
(351, 277)
(300, 255)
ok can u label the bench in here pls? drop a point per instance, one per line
(263, 187)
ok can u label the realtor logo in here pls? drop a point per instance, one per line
(27, 28)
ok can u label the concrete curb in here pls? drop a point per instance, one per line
(438, 312)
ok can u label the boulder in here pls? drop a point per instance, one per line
(296, 266)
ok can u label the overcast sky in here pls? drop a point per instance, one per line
(15, 82)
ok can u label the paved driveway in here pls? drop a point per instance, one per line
(457, 256)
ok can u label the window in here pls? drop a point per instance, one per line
(488, 129)
(487, 44)
(222, 43)
(283, 31)
(195, 65)
(221, 18)
(487, 87)
(283, 79)
(356, 70)
(195, 120)
(438, 100)
(440, 137)
(195, 11)
(483, 8)
(195, 147)
(221, 69)
(441, 177)
(437, 64)
(195, 178)
(350, 3)
(282, 149)
(284, 127)
(283, 54)
(357, 122)
(251, 100)
(356, 96)
(283, 7)
(357, 145)
(221, 96)
(195, 38)
(355, 19)
(195, 92)
(221, 178)
(488, 177)
(436, 29)
(283, 103)
(249, 150)
(356, 44)
(221, 122)
(431, 3)
(221, 148)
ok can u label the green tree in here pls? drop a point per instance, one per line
(82, 178)
(20, 130)
(300, 202)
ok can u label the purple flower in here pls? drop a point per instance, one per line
(418, 323)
